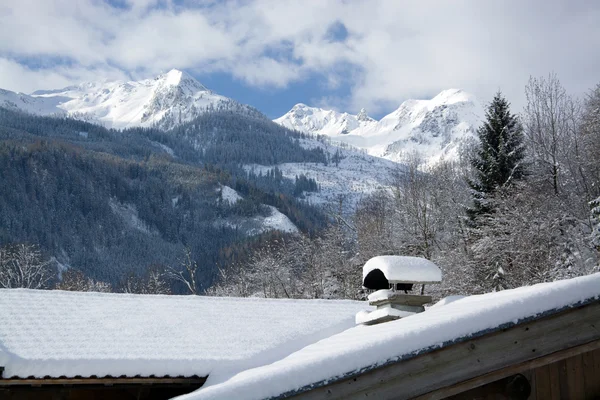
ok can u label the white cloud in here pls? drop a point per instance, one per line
(19, 78)
(265, 71)
(401, 49)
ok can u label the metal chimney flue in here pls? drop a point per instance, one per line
(393, 278)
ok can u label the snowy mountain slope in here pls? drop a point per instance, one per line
(275, 220)
(435, 128)
(354, 177)
(30, 104)
(167, 100)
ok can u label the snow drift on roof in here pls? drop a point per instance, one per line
(55, 333)
(404, 269)
(364, 347)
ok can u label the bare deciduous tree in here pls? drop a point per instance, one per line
(188, 273)
(75, 280)
(417, 206)
(551, 120)
(153, 281)
(22, 266)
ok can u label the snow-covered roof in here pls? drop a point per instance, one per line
(56, 333)
(366, 347)
(404, 269)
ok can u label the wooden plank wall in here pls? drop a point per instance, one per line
(576, 377)
(573, 378)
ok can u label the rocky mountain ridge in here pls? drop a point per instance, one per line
(435, 128)
(165, 101)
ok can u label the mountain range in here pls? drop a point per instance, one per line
(205, 172)
(173, 99)
(167, 100)
(435, 128)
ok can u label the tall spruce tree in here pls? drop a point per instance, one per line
(498, 162)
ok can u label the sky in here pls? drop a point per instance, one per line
(338, 54)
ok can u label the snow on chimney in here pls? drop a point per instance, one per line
(393, 277)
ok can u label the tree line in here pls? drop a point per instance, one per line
(521, 206)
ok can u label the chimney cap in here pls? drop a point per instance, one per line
(381, 271)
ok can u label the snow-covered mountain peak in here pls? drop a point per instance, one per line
(300, 110)
(166, 100)
(363, 116)
(181, 79)
(434, 127)
(319, 121)
(451, 96)
(301, 106)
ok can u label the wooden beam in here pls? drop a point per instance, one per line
(509, 371)
(460, 362)
(101, 381)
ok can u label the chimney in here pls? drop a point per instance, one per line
(393, 277)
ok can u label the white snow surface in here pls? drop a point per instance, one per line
(404, 269)
(278, 221)
(230, 195)
(447, 300)
(435, 128)
(120, 104)
(56, 333)
(367, 346)
(381, 294)
(362, 317)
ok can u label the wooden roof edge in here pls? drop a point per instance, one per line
(509, 371)
(407, 357)
(105, 381)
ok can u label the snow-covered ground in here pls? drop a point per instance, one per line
(435, 128)
(364, 347)
(120, 104)
(55, 333)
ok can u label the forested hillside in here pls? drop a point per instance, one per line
(114, 203)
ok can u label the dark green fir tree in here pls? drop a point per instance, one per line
(498, 162)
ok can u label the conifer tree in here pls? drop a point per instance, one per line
(498, 162)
